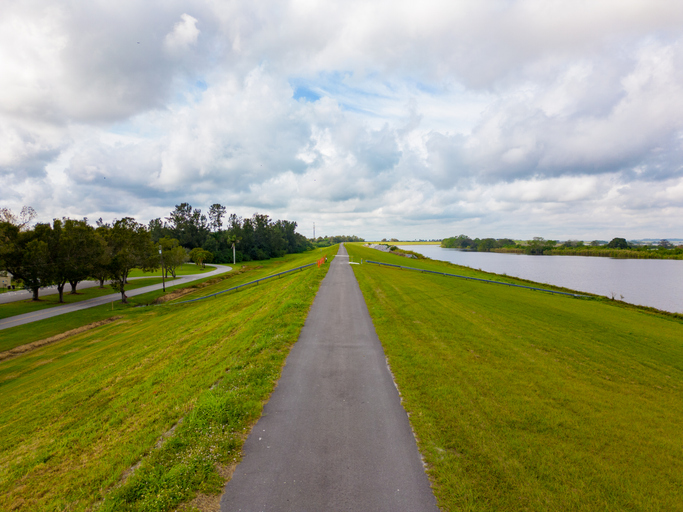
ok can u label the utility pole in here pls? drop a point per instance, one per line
(314, 231)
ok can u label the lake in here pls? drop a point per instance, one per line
(654, 283)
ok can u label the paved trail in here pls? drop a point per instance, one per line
(334, 435)
(42, 314)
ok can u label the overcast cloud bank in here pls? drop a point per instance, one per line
(497, 118)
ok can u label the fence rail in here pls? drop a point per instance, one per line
(257, 281)
(576, 295)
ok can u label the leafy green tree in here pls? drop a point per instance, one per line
(173, 255)
(216, 214)
(486, 245)
(22, 221)
(536, 246)
(102, 260)
(157, 229)
(200, 256)
(29, 258)
(74, 250)
(130, 246)
(188, 226)
(26, 255)
(618, 243)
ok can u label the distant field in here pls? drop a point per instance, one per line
(523, 400)
(77, 415)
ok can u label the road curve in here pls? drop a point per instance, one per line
(35, 316)
(334, 435)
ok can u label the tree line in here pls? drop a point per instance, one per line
(481, 245)
(616, 248)
(253, 238)
(71, 250)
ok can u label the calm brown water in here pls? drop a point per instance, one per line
(655, 283)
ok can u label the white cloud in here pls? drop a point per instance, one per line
(510, 118)
(183, 35)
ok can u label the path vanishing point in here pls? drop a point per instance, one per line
(334, 435)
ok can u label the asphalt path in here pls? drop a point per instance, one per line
(35, 316)
(334, 435)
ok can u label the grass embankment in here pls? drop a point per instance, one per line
(77, 415)
(528, 401)
(49, 301)
(36, 331)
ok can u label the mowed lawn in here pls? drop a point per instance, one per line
(77, 415)
(523, 400)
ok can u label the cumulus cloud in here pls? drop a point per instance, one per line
(184, 35)
(513, 118)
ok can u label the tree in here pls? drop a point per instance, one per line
(173, 255)
(100, 264)
(157, 229)
(618, 243)
(75, 251)
(536, 246)
(188, 226)
(200, 256)
(26, 255)
(22, 221)
(131, 246)
(216, 214)
(486, 245)
(665, 244)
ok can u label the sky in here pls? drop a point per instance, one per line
(381, 119)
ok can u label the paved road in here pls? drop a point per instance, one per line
(334, 435)
(13, 321)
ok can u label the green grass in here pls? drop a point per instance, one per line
(15, 336)
(76, 415)
(49, 301)
(184, 270)
(523, 400)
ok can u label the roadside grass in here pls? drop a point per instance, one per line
(523, 400)
(76, 416)
(49, 301)
(185, 269)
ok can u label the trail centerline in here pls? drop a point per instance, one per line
(334, 435)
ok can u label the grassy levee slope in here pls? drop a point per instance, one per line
(77, 415)
(523, 400)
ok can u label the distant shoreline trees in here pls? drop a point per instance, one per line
(616, 248)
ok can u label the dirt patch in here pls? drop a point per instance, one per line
(22, 349)
(175, 294)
